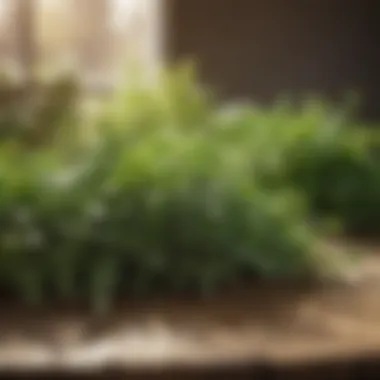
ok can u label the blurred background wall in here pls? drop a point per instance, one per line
(96, 37)
(245, 48)
(262, 48)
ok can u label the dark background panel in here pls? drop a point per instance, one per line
(261, 49)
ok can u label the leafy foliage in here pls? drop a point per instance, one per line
(342, 180)
(37, 113)
(172, 207)
(319, 152)
(176, 194)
